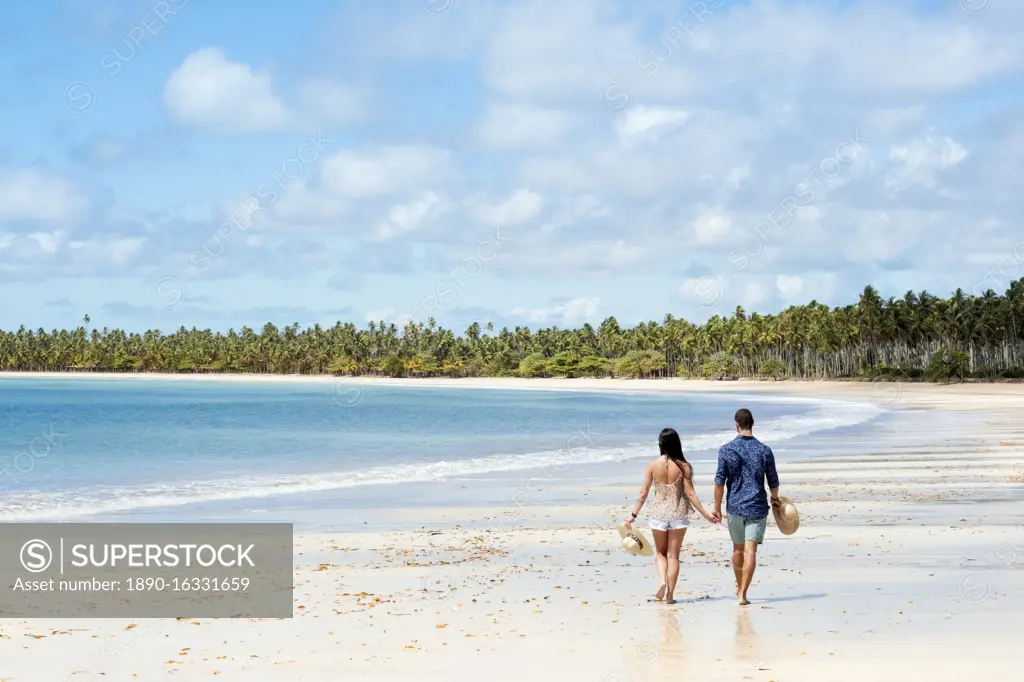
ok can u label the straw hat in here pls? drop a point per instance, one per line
(786, 516)
(634, 542)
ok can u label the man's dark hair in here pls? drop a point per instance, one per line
(744, 419)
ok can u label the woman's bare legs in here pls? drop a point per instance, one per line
(674, 545)
(661, 560)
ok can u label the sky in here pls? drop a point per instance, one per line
(168, 163)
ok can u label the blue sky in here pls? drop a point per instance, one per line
(176, 162)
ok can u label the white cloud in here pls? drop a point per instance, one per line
(571, 211)
(640, 120)
(887, 235)
(210, 91)
(568, 314)
(300, 204)
(66, 256)
(790, 288)
(707, 150)
(407, 217)
(737, 175)
(518, 126)
(771, 44)
(711, 226)
(752, 294)
(395, 169)
(123, 250)
(49, 242)
(27, 194)
(522, 206)
(381, 315)
(622, 254)
(545, 50)
(919, 161)
(107, 250)
(609, 256)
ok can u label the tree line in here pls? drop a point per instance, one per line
(916, 336)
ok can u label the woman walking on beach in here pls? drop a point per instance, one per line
(671, 476)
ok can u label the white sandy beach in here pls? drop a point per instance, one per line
(889, 395)
(907, 566)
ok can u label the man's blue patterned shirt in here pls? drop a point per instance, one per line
(743, 465)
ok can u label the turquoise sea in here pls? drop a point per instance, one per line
(82, 449)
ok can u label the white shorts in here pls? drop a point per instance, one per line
(676, 524)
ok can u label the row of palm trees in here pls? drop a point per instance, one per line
(913, 336)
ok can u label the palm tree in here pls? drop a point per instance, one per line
(905, 336)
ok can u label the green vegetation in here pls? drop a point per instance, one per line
(721, 366)
(918, 336)
(948, 364)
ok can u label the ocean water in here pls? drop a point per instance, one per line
(80, 449)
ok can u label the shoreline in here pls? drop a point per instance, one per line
(885, 394)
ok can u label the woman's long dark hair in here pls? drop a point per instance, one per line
(670, 446)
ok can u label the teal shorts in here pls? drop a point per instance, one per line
(743, 530)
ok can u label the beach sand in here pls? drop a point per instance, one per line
(907, 566)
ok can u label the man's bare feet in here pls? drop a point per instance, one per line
(660, 594)
(670, 599)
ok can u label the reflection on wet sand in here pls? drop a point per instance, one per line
(666, 659)
(671, 650)
(745, 639)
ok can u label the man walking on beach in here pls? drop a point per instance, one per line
(743, 465)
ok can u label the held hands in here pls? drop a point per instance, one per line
(714, 517)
